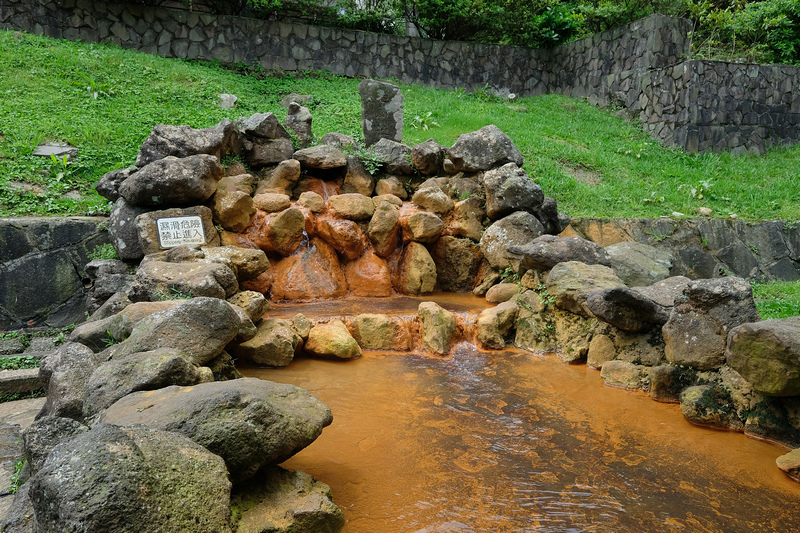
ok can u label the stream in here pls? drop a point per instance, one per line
(513, 441)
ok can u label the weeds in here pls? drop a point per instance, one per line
(104, 251)
(13, 488)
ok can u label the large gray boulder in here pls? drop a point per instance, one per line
(151, 370)
(275, 344)
(64, 374)
(381, 111)
(156, 279)
(697, 331)
(627, 309)
(545, 252)
(123, 231)
(263, 126)
(512, 231)
(200, 328)
(570, 284)
(173, 182)
(483, 149)
(131, 479)
(153, 239)
(298, 119)
(183, 141)
(395, 156)
(665, 292)
(639, 264)
(767, 354)
(457, 263)
(281, 501)
(509, 189)
(46, 433)
(323, 157)
(248, 422)
(428, 156)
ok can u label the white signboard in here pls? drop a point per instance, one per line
(177, 231)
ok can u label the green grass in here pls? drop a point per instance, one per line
(777, 299)
(17, 362)
(591, 161)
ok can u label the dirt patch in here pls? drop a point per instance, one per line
(584, 176)
(568, 143)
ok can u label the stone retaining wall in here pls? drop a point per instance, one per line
(698, 106)
(42, 275)
(707, 247)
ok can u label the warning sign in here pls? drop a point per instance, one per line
(177, 231)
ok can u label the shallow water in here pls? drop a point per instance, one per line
(513, 441)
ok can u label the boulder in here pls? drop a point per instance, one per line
(623, 375)
(384, 229)
(248, 422)
(428, 156)
(395, 156)
(466, 219)
(709, 405)
(184, 141)
(391, 185)
(416, 271)
(552, 221)
(173, 182)
(535, 328)
(158, 279)
(339, 140)
(546, 251)
(437, 327)
(282, 179)
(697, 330)
(514, 230)
(272, 202)
(232, 209)
(609, 342)
(790, 463)
(667, 382)
(262, 126)
(262, 153)
(122, 228)
(109, 183)
(254, 304)
(129, 479)
(313, 201)
(64, 374)
(246, 263)
(509, 189)
(639, 264)
(767, 354)
(626, 309)
(299, 120)
(457, 263)
(343, 235)
(44, 434)
(275, 344)
(199, 328)
(665, 292)
(502, 292)
(332, 341)
(381, 111)
(281, 501)
(156, 235)
(223, 368)
(571, 283)
(379, 332)
(433, 199)
(368, 276)
(573, 334)
(390, 198)
(139, 371)
(312, 274)
(495, 324)
(422, 226)
(483, 149)
(322, 157)
(357, 179)
(352, 206)
(279, 233)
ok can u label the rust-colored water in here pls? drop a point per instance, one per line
(517, 442)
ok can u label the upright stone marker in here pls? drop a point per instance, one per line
(381, 111)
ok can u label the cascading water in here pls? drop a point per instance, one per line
(509, 440)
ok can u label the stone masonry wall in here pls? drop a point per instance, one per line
(42, 262)
(698, 106)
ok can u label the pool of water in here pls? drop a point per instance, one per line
(518, 442)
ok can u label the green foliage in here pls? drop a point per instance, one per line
(779, 299)
(104, 251)
(14, 396)
(19, 464)
(172, 293)
(17, 362)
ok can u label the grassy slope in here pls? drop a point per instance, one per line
(48, 88)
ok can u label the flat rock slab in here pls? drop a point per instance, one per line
(23, 380)
(56, 149)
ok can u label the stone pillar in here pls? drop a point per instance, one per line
(381, 111)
